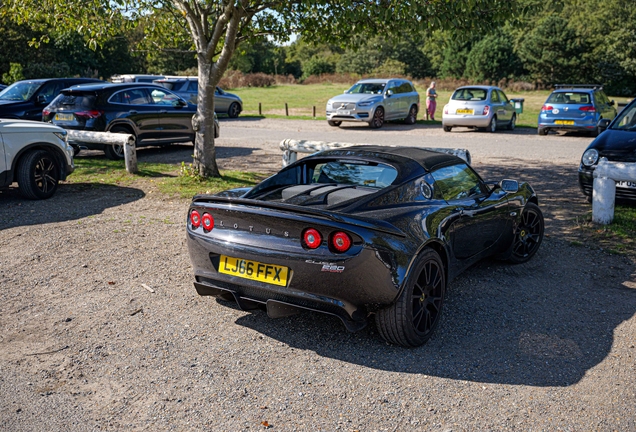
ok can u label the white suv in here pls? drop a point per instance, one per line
(34, 154)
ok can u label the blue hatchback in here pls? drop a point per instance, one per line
(573, 107)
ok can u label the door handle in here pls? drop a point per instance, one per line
(163, 112)
(133, 111)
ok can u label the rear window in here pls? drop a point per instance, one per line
(470, 94)
(74, 100)
(569, 98)
(354, 173)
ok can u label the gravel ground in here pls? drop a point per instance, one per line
(548, 345)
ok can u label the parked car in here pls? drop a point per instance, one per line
(362, 230)
(135, 78)
(3, 86)
(25, 99)
(188, 88)
(153, 114)
(484, 107)
(573, 107)
(36, 155)
(617, 143)
(375, 101)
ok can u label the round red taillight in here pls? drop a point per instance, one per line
(340, 241)
(195, 219)
(208, 221)
(312, 238)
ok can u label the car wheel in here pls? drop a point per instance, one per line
(412, 117)
(378, 118)
(492, 126)
(447, 128)
(542, 131)
(528, 235)
(334, 123)
(116, 152)
(234, 110)
(412, 319)
(513, 121)
(38, 174)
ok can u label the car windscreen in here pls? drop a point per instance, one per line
(626, 120)
(354, 173)
(20, 91)
(367, 88)
(569, 98)
(74, 100)
(470, 94)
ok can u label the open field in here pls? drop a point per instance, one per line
(301, 98)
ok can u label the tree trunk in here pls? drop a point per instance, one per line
(203, 124)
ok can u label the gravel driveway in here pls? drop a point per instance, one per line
(103, 330)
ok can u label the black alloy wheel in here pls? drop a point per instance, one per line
(116, 152)
(513, 121)
(38, 174)
(234, 110)
(334, 123)
(412, 319)
(411, 119)
(528, 235)
(378, 118)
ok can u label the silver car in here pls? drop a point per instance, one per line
(188, 88)
(375, 101)
(485, 107)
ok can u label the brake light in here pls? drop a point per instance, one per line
(195, 219)
(340, 241)
(312, 238)
(486, 110)
(587, 108)
(46, 112)
(89, 113)
(208, 221)
(445, 109)
(547, 108)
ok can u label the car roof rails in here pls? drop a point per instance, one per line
(578, 86)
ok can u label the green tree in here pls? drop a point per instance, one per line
(217, 27)
(492, 59)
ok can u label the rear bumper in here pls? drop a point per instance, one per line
(465, 120)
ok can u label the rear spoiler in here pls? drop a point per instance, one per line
(372, 224)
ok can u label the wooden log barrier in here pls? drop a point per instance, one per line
(126, 141)
(606, 175)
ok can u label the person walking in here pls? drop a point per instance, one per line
(431, 100)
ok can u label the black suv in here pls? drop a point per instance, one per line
(153, 114)
(25, 99)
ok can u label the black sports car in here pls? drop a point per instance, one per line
(356, 231)
(617, 143)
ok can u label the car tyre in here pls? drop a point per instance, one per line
(234, 110)
(513, 121)
(542, 131)
(411, 118)
(378, 118)
(528, 234)
(447, 128)
(492, 126)
(38, 174)
(334, 123)
(412, 319)
(116, 152)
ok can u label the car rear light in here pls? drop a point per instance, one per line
(312, 238)
(340, 241)
(46, 112)
(195, 219)
(208, 221)
(89, 113)
(486, 110)
(446, 109)
(587, 108)
(547, 108)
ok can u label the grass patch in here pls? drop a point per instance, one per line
(617, 237)
(169, 179)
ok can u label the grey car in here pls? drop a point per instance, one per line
(188, 88)
(484, 107)
(375, 101)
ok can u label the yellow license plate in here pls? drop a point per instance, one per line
(564, 122)
(465, 111)
(64, 117)
(253, 270)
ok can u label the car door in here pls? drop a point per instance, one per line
(392, 102)
(221, 102)
(508, 108)
(136, 105)
(175, 115)
(497, 106)
(481, 215)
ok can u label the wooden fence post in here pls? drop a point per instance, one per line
(259, 109)
(286, 110)
(314, 111)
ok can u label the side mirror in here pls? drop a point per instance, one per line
(40, 100)
(603, 124)
(389, 93)
(509, 186)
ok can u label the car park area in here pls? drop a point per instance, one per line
(101, 340)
